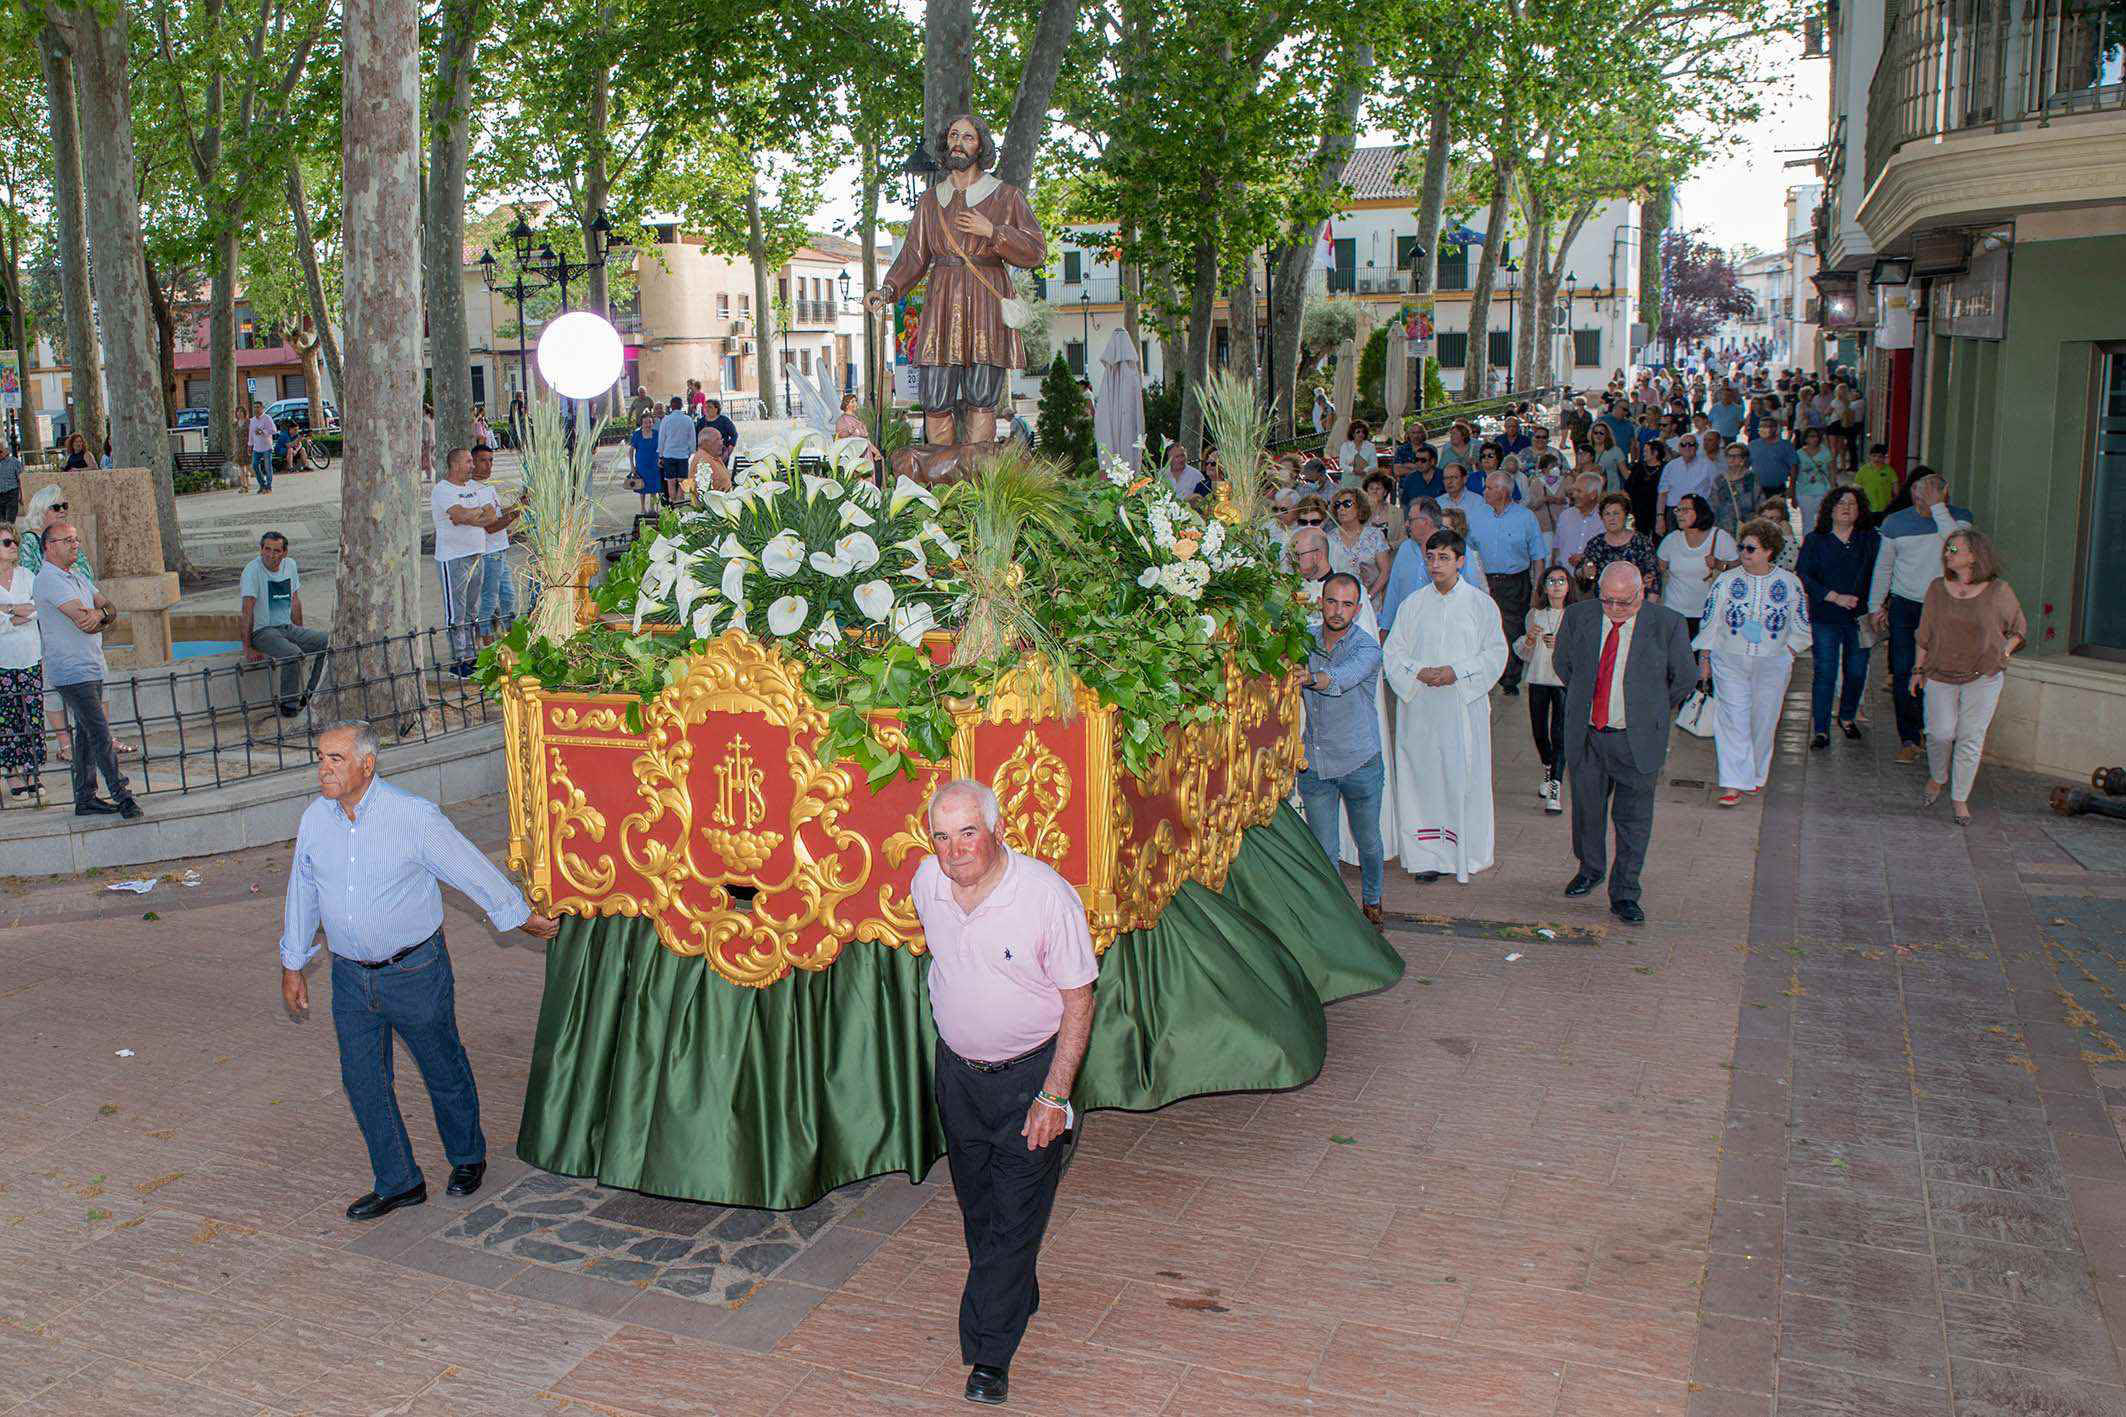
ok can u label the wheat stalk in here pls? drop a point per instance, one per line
(558, 515)
(1232, 410)
(1011, 495)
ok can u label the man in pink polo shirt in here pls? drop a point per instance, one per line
(1011, 988)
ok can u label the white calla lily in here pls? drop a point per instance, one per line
(663, 549)
(645, 606)
(732, 549)
(853, 515)
(704, 621)
(784, 556)
(907, 490)
(858, 549)
(686, 590)
(826, 636)
(836, 566)
(863, 489)
(787, 614)
(912, 621)
(945, 543)
(875, 599)
(849, 455)
(817, 487)
(734, 582)
(658, 579)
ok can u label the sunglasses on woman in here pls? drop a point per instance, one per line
(7, 543)
(1310, 521)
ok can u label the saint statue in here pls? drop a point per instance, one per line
(967, 232)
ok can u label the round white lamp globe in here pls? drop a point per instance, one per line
(580, 355)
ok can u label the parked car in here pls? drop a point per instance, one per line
(296, 413)
(191, 418)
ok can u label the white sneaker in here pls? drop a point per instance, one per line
(1552, 797)
(1542, 789)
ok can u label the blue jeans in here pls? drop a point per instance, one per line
(416, 999)
(1904, 653)
(1357, 792)
(498, 593)
(1833, 644)
(262, 469)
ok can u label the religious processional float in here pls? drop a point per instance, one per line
(718, 769)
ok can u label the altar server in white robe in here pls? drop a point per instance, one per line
(1447, 649)
(1310, 558)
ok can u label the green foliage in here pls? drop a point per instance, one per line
(1064, 432)
(1326, 324)
(1373, 373)
(1435, 387)
(1162, 419)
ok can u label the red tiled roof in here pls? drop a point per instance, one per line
(1377, 172)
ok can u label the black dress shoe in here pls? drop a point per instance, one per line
(1426, 877)
(1627, 911)
(130, 810)
(1852, 730)
(1820, 740)
(1511, 691)
(1581, 884)
(96, 807)
(988, 1385)
(371, 1206)
(464, 1180)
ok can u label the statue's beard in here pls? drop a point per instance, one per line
(958, 161)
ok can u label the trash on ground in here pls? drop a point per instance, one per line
(1544, 932)
(1512, 957)
(125, 1052)
(136, 887)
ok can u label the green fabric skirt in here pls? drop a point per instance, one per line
(653, 1072)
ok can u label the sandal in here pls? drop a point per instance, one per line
(1731, 798)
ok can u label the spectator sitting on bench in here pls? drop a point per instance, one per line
(270, 621)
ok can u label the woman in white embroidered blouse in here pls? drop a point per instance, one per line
(1756, 621)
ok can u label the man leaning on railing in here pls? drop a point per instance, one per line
(270, 621)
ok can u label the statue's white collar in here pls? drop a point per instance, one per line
(977, 191)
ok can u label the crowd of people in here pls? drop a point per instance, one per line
(1617, 555)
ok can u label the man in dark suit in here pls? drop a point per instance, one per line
(1627, 668)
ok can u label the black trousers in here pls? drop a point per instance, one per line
(1511, 590)
(1606, 787)
(1546, 719)
(1006, 1193)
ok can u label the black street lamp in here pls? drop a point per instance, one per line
(535, 255)
(1572, 342)
(520, 238)
(1417, 264)
(1085, 309)
(1512, 268)
(920, 170)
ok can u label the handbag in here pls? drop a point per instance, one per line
(1696, 715)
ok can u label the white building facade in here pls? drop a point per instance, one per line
(1371, 241)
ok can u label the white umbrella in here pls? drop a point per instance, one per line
(1346, 394)
(1396, 393)
(1118, 403)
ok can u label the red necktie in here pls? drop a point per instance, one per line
(1608, 666)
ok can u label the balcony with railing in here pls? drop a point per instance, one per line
(2047, 71)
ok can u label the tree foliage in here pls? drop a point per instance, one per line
(1700, 288)
(1064, 433)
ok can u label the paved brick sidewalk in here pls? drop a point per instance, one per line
(1499, 1198)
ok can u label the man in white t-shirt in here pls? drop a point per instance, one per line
(270, 621)
(1689, 471)
(498, 588)
(463, 510)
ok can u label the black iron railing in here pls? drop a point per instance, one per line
(193, 729)
(1950, 65)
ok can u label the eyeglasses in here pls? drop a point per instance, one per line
(1310, 521)
(1620, 602)
(1751, 546)
(6, 544)
(1344, 504)
(57, 507)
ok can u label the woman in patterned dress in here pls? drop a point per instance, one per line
(21, 672)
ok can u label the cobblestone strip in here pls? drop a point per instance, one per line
(1920, 1194)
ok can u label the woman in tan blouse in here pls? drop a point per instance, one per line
(1969, 625)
